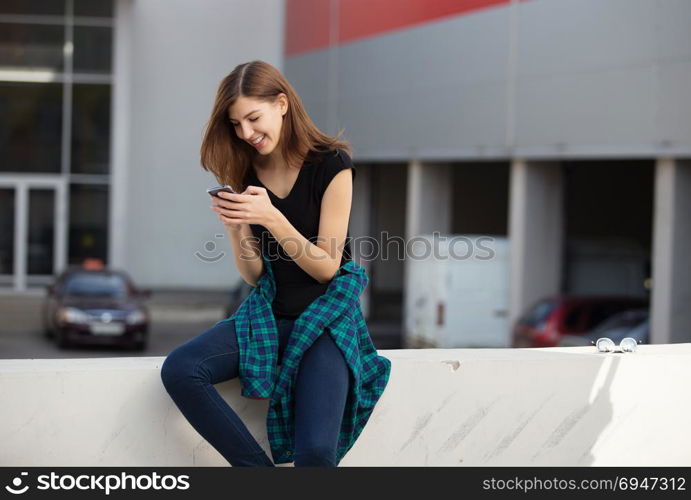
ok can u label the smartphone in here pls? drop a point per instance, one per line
(213, 191)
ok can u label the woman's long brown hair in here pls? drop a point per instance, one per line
(227, 156)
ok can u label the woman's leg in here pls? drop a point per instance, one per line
(321, 390)
(188, 374)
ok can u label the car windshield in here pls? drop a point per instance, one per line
(539, 313)
(94, 284)
(626, 319)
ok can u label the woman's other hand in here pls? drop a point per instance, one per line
(252, 206)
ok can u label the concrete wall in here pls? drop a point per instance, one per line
(170, 56)
(498, 407)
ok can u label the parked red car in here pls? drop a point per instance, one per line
(546, 321)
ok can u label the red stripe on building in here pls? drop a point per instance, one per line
(307, 25)
(308, 21)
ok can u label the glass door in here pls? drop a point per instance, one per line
(7, 224)
(32, 230)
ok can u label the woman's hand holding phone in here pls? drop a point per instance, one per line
(252, 206)
(215, 197)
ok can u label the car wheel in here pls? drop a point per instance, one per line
(48, 332)
(137, 345)
(140, 346)
(62, 339)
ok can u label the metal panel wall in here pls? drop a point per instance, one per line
(539, 78)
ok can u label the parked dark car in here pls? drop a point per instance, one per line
(237, 295)
(544, 324)
(100, 306)
(634, 323)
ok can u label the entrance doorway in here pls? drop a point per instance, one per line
(32, 230)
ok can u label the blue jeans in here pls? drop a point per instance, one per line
(190, 371)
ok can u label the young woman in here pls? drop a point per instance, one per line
(295, 187)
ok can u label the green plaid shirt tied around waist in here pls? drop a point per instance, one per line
(338, 311)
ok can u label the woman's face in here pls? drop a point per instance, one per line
(255, 120)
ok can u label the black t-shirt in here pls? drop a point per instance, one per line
(295, 289)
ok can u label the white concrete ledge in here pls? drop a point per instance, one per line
(558, 406)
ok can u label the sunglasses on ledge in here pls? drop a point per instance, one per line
(628, 344)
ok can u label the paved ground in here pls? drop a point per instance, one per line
(175, 318)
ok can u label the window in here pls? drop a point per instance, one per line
(41, 231)
(573, 320)
(93, 8)
(539, 314)
(30, 127)
(92, 49)
(95, 285)
(38, 46)
(55, 119)
(37, 7)
(88, 223)
(6, 231)
(90, 129)
(39, 78)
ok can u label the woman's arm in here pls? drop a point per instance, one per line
(322, 259)
(246, 252)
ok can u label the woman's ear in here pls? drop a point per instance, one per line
(283, 103)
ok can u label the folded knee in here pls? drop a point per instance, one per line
(175, 369)
(325, 353)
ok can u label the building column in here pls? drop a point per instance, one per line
(428, 201)
(120, 154)
(535, 233)
(428, 209)
(671, 270)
